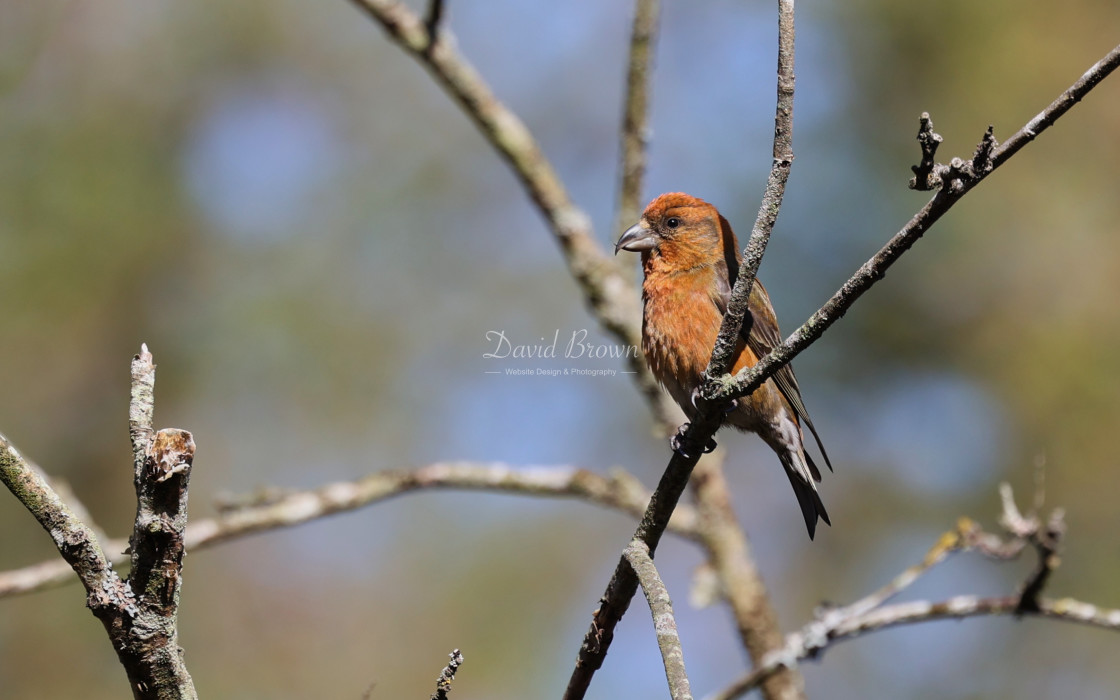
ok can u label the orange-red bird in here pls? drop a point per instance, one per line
(691, 258)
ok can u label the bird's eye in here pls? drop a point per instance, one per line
(672, 222)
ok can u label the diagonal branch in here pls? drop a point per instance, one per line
(273, 510)
(609, 293)
(664, 622)
(956, 608)
(958, 178)
(76, 542)
(870, 613)
(1062, 104)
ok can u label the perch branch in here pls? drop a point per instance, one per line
(623, 583)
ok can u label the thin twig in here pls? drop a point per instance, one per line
(435, 16)
(624, 584)
(635, 115)
(949, 543)
(925, 179)
(664, 622)
(273, 510)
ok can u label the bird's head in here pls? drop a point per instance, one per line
(680, 232)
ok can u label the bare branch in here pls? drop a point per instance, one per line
(664, 622)
(869, 614)
(610, 294)
(443, 683)
(274, 509)
(957, 608)
(141, 628)
(635, 116)
(156, 544)
(624, 584)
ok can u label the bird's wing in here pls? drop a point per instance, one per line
(765, 336)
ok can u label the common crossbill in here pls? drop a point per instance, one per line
(691, 258)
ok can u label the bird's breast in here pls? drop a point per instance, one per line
(679, 327)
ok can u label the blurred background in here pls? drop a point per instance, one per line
(314, 242)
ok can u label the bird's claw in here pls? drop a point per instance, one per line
(677, 443)
(698, 401)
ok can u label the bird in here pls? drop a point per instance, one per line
(690, 260)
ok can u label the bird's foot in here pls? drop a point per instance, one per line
(677, 443)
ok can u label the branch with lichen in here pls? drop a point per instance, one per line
(443, 683)
(664, 622)
(139, 614)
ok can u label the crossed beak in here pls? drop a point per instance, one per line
(637, 238)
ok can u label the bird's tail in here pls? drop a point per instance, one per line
(801, 473)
